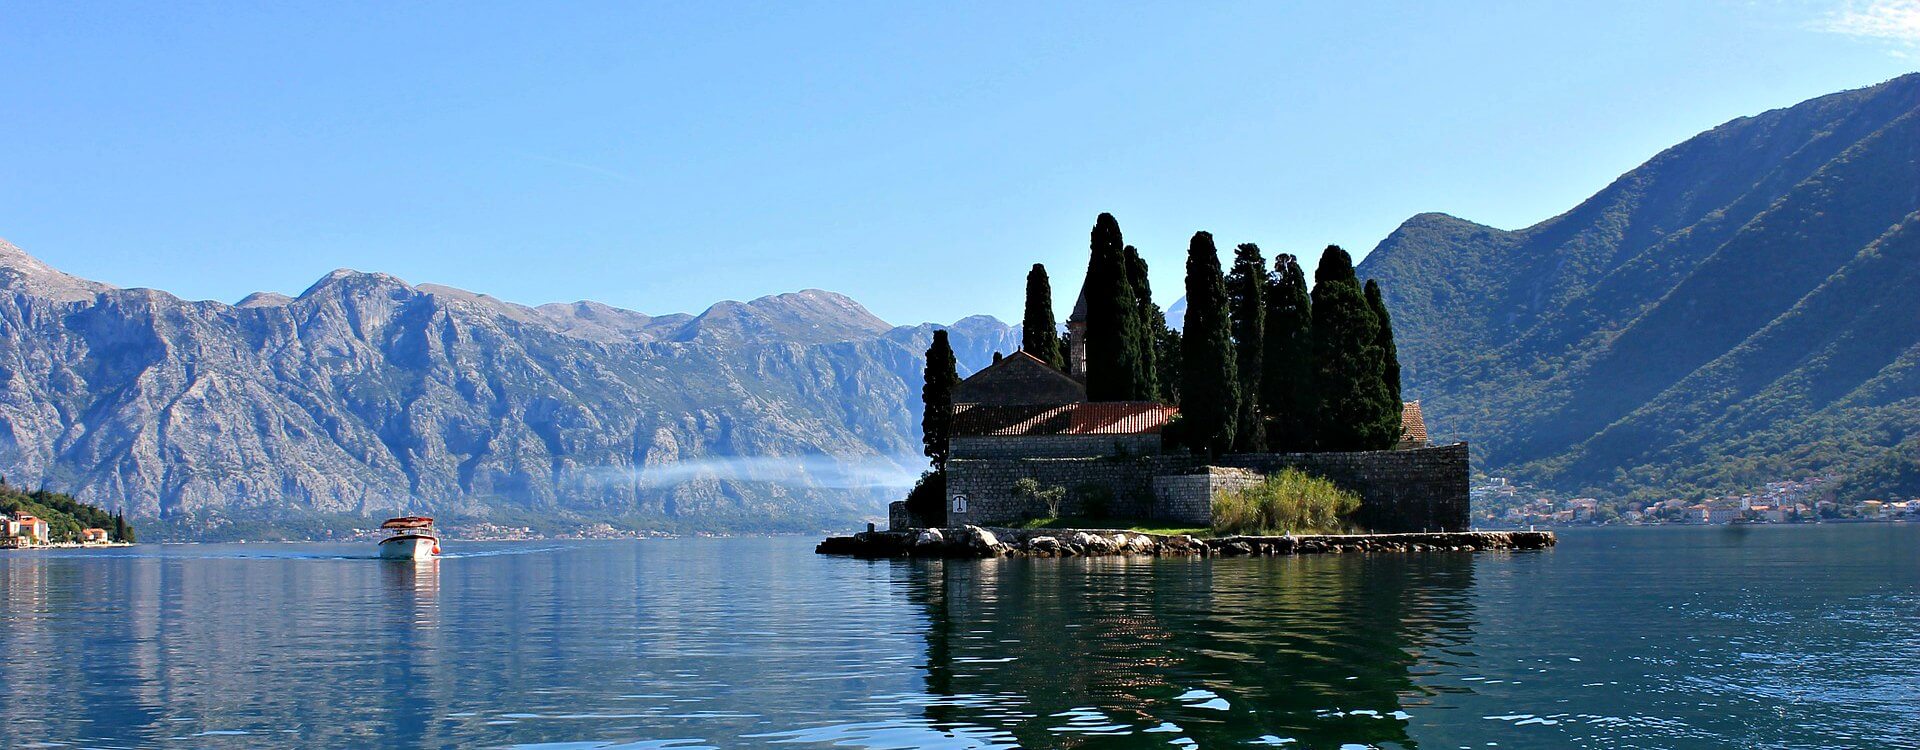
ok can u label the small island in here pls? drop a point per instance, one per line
(1269, 422)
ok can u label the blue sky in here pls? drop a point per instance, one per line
(917, 157)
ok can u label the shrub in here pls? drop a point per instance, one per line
(927, 503)
(1173, 434)
(1290, 502)
(1028, 488)
(1096, 500)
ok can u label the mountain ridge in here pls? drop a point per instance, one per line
(367, 395)
(1600, 350)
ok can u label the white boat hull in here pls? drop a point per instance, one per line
(409, 548)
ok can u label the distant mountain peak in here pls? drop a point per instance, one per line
(347, 277)
(809, 316)
(265, 299)
(25, 273)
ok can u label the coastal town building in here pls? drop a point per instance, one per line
(24, 530)
(94, 536)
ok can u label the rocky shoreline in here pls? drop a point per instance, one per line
(976, 542)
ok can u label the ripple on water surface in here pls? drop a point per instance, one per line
(1636, 638)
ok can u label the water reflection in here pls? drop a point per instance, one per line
(416, 581)
(1319, 651)
(1687, 639)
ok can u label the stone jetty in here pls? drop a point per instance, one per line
(977, 542)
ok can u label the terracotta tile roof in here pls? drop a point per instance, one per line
(1019, 378)
(1413, 424)
(1091, 418)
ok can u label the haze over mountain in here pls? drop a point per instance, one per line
(1738, 309)
(366, 396)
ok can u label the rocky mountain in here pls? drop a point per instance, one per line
(1736, 310)
(366, 396)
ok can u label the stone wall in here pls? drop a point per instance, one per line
(1187, 499)
(1401, 491)
(1124, 486)
(1053, 446)
(1423, 489)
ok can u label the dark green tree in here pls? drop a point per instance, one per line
(1039, 335)
(936, 421)
(1148, 320)
(1246, 288)
(1389, 354)
(1286, 380)
(1166, 352)
(1352, 397)
(927, 501)
(1113, 320)
(1210, 383)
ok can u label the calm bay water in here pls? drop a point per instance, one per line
(1670, 638)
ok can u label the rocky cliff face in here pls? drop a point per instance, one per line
(367, 396)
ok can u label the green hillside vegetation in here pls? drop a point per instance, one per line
(64, 515)
(1735, 311)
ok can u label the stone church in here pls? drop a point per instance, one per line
(1022, 419)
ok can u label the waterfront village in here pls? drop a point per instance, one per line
(26, 531)
(1501, 502)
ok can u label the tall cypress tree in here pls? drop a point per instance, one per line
(1113, 338)
(1148, 320)
(1389, 354)
(1039, 335)
(1246, 292)
(1166, 352)
(1210, 383)
(1346, 357)
(936, 420)
(1286, 380)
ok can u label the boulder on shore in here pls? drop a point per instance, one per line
(976, 542)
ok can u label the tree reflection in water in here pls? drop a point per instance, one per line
(1313, 651)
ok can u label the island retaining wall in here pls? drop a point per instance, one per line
(1404, 491)
(1415, 490)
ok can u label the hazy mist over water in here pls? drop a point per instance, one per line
(1671, 638)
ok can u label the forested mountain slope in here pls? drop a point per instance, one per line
(1735, 310)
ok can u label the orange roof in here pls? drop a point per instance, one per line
(1413, 424)
(1087, 418)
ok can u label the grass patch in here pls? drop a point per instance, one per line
(1290, 502)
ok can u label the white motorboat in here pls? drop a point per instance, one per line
(413, 538)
